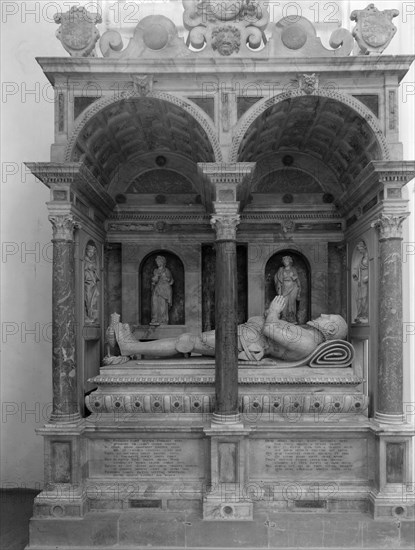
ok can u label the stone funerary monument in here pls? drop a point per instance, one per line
(227, 218)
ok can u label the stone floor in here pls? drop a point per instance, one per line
(16, 508)
(158, 529)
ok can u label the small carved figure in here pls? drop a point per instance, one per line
(91, 280)
(287, 284)
(361, 277)
(161, 293)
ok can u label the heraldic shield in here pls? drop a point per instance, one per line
(77, 32)
(374, 29)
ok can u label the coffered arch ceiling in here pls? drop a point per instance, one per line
(113, 141)
(312, 130)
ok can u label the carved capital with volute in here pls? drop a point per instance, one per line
(63, 226)
(390, 225)
(225, 226)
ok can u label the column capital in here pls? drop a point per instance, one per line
(225, 220)
(390, 225)
(63, 226)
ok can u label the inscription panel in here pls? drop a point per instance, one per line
(156, 458)
(339, 459)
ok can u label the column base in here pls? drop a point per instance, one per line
(63, 501)
(64, 418)
(222, 418)
(384, 418)
(398, 503)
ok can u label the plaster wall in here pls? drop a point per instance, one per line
(26, 313)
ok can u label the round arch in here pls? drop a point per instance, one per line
(261, 106)
(193, 110)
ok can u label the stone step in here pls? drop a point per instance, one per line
(158, 530)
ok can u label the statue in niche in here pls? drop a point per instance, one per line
(91, 280)
(161, 293)
(360, 275)
(287, 284)
(318, 343)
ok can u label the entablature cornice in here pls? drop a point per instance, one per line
(99, 68)
(194, 225)
(375, 178)
(73, 183)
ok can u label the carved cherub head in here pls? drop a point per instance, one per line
(226, 40)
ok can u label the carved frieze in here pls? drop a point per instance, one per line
(276, 403)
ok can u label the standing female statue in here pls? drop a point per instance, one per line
(91, 280)
(161, 293)
(361, 277)
(287, 284)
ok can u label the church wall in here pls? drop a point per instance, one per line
(28, 120)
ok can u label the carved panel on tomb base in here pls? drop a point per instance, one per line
(313, 458)
(160, 458)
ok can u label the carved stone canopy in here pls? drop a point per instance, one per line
(121, 133)
(320, 127)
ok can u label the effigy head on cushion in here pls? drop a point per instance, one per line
(333, 327)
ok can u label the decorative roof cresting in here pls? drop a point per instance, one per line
(225, 28)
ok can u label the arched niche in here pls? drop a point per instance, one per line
(360, 284)
(301, 265)
(146, 273)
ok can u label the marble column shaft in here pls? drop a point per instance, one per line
(390, 367)
(226, 315)
(64, 374)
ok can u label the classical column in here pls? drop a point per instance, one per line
(225, 221)
(389, 380)
(64, 367)
(230, 187)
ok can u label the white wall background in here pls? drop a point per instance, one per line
(28, 30)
